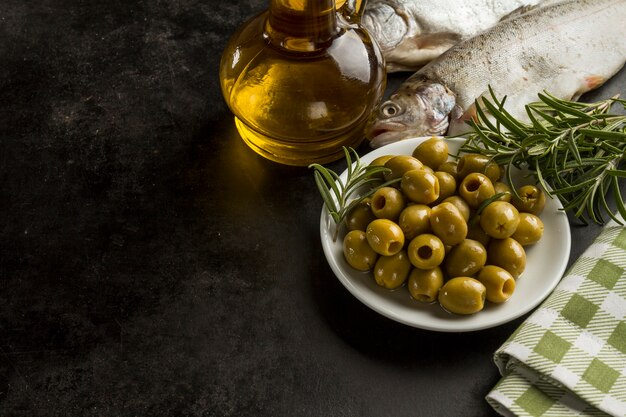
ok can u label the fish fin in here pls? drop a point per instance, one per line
(436, 41)
(459, 119)
(594, 81)
(413, 52)
(518, 12)
(590, 82)
(527, 8)
(470, 113)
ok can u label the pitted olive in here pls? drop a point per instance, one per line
(507, 253)
(499, 219)
(392, 271)
(529, 230)
(448, 224)
(414, 220)
(499, 283)
(460, 204)
(476, 188)
(385, 237)
(400, 164)
(447, 185)
(465, 259)
(420, 186)
(360, 215)
(474, 162)
(531, 199)
(424, 285)
(427, 169)
(476, 232)
(357, 252)
(451, 168)
(380, 162)
(426, 251)
(387, 203)
(462, 295)
(502, 187)
(432, 152)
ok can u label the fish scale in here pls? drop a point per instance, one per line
(566, 49)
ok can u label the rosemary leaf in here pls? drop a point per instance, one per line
(563, 106)
(338, 195)
(575, 150)
(503, 117)
(621, 207)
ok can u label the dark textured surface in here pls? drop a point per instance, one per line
(152, 265)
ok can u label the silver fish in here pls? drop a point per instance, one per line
(565, 49)
(413, 32)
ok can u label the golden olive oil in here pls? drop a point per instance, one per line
(301, 81)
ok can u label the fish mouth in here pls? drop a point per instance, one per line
(380, 134)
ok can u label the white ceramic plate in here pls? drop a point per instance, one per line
(545, 264)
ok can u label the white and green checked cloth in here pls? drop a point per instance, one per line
(569, 357)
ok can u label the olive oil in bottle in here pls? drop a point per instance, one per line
(302, 80)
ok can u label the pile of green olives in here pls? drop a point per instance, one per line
(449, 229)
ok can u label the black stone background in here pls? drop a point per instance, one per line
(152, 265)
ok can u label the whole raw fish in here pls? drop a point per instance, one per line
(413, 32)
(565, 49)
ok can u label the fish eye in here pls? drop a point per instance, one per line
(390, 109)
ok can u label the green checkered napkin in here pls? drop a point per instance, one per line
(569, 357)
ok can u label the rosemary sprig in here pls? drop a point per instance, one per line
(575, 150)
(339, 196)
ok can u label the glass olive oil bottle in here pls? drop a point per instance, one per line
(302, 79)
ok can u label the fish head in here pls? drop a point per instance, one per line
(383, 22)
(418, 108)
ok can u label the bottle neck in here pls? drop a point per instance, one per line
(302, 25)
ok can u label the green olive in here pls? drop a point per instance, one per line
(499, 219)
(414, 220)
(432, 152)
(360, 215)
(424, 285)
(476, 188)
(427, 169)
(392, 271)
(465, 259)
(531, 199)
(462, 295)
(507, 253)
(380, 162)
(357, 252)
(529, 230)
(426, 251)
(450, 167)
(400, 164)
(499, 283)
(447, 185)
(420, 186)
(448, 224)
(476, 232)
(461, 204)
(385, 237)
(502, 187)
(387, 203)
(474, 162)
